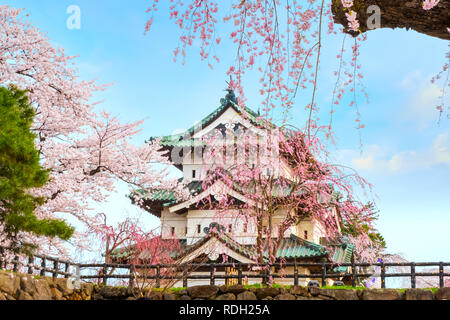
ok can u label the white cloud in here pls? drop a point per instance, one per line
(410, 80)
(439, 153)
(369, 160)
(441, 149)
(422, 108)
(366, 162)
(409, 160)
(425, 97)
(376, 159)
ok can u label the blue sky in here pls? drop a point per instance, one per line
(405, 153)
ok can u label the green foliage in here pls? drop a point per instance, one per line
(402, 290)
(434, 290)
(274, 285)
(343, 287)
(255, 285)
(20, 171)
(377, 238)
(349, 227)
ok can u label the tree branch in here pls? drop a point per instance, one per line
(407, 14)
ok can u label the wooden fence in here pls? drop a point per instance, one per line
(48, 265)
(43, 265)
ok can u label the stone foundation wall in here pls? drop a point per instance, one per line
(15, 286)
(27, 287)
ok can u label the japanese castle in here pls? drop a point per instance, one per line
(196, 227)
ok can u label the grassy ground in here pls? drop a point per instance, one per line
(434, 290)
(275, 285)
(343, 287)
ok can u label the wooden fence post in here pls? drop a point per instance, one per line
(441, 274)
(353, 274)
(295, 276)
(131, 281)
(104, 274)
(158, 276)
(240, 274)
(211, 276)
(266, 276)
(55, 268)
(43, 266)
(30, 264)
(66, 270)
(383, 274)
(413, 275)
(16, 263)
(324, 272)
(185, 280)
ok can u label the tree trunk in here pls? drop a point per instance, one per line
(407, 14)
(259, 239)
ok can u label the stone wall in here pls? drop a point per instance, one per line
(238, 292)
(15, 286)
(27, 287)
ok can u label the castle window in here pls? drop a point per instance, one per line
(230, 228)
(185, 230)
(305, 235)
(172, 231)
(199, 227)
(193, 174)
(245, 227)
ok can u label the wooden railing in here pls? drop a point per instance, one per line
(37, 263)
(243, 271)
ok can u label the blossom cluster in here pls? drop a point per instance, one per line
(430, 4)
(85, 151)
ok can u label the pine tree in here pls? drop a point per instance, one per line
(20, 171)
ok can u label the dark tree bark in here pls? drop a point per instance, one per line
(407, 14)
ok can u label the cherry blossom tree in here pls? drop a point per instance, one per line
(128, 242)
(429, 17)
(281, 40)
(151, 249)
(277, 182)
(85, 150)
(114, 237)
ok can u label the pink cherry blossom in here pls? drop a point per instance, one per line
(86, 151)
(353, 23)
(430, 4)
(347, 3)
